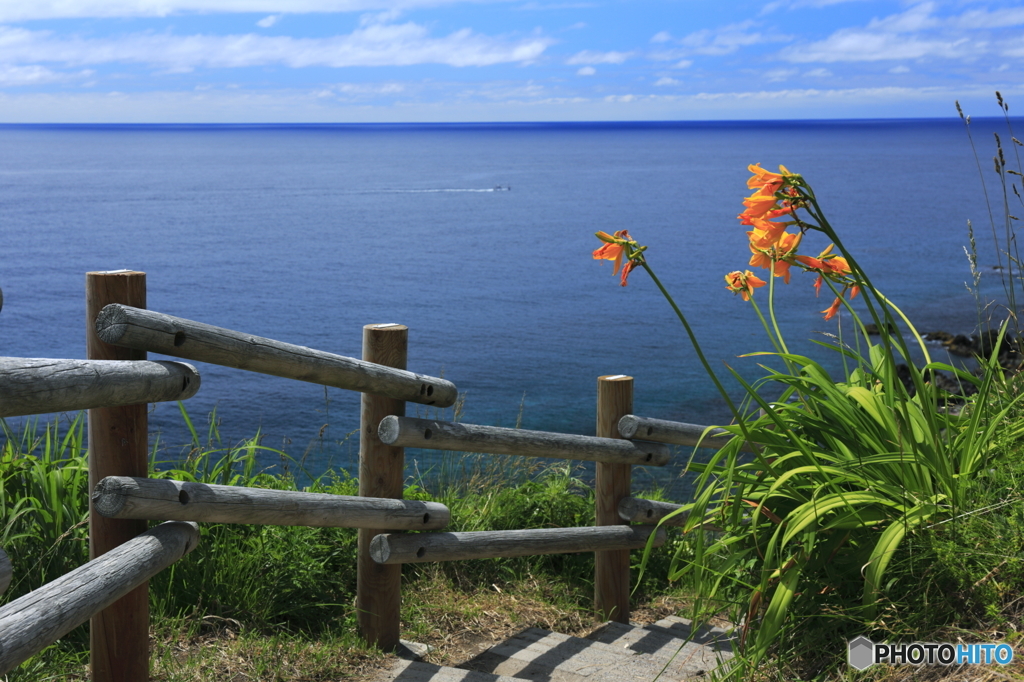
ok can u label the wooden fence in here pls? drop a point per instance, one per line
(116, 382)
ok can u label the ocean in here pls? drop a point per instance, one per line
(479, 238)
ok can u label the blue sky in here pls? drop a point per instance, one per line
(495, 60)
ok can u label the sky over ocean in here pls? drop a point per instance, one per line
(497, 60)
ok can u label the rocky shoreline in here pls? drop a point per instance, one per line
(978, 346)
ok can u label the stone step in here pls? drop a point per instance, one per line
(682, 658)
(417, 671)
(681, 627)
(536, 654)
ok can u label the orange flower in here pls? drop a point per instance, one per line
(626, 270)
(831, 311)
(743, 283)
(765, 234)
(781, 253)
(614, 249)
(766, 179)
(757, 206)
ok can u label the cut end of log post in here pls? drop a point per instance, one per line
(388, 430)
(628, 426)
(111, 323)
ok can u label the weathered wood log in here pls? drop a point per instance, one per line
(612, 482)
(118, 446)
(6, 571)
(121, 497)
(147, 330)
(388, 548)
(381, 474)
(639, 510)
(36, 620)
(676, 433)
(42, 385)
(411, 432)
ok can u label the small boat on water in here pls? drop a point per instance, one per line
(499, 188)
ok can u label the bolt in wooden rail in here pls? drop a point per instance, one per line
(42, 385)
(388, 548)
(121, 497)
(411, 432)
(612, 484)
(118, 446)
(34, 621)
(6, 571)
(381, 472)
(676, 433)
(147, 330)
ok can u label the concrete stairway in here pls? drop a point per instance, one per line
(613, 653)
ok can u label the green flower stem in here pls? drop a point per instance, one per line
(696, 346)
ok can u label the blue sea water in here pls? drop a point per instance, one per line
(306, 233)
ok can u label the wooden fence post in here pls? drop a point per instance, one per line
(118, 446)
(611, 569)
(381, 474)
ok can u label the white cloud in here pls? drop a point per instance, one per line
(776, 75)
(917, 33)
(684, 64)
(267, 22)
(899, 69)
(661, 37)
(586, 71)
(851, 45)
(620, 98)
(818, 73)
(728, 39)
(588, 57)
(25, 10)
(983, 18)
(11, 76)
(665, 80)
(375, 45)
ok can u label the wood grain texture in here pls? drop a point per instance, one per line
(6, 571)
(381, 474)
(36, 620)
(122, 497)
(422, 547)
(118, 446)
(159, 333)
(612, 483)
(432, 434)
(42, 385)
(676, 433)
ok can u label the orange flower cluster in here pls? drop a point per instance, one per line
(618, 247)
(743, 283)
(773, 248)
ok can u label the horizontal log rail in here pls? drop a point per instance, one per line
(122, 325)
(6, 571)
(676, 433)
(42, 385)
(411, 432)
(639, 510)
(34, 621)
(123, 497)
(389, 548)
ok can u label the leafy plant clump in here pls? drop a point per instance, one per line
(859, 482)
